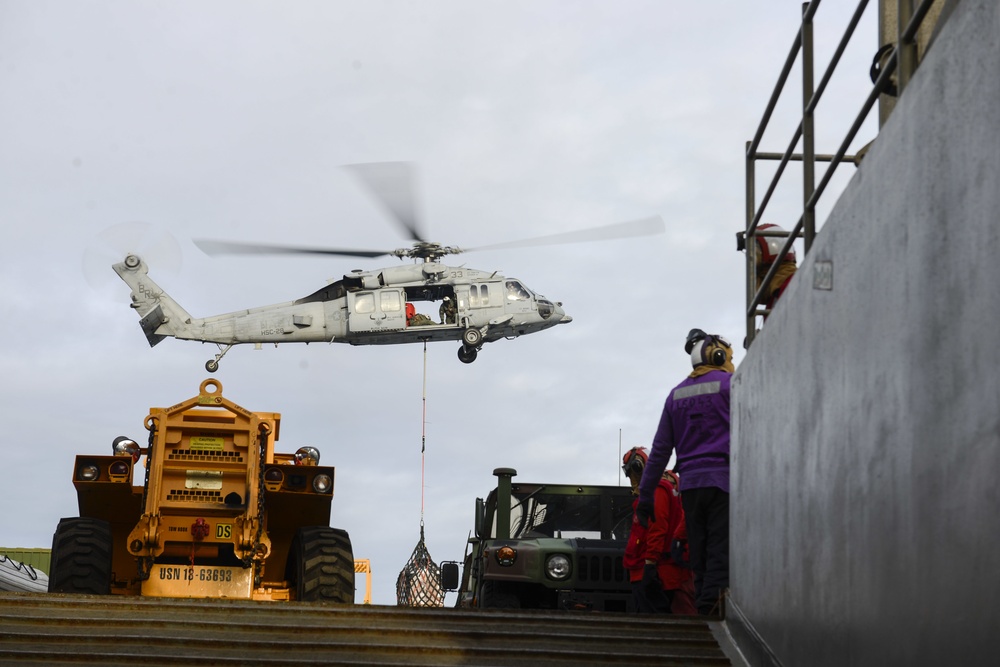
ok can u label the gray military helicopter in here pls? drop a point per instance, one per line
(376, 307)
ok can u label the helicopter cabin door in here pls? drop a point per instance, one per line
(376, 310)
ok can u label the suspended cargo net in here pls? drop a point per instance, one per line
(419, 584)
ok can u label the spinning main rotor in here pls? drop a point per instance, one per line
(391, 184)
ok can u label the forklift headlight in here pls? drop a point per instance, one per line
(273, 478)
(118, 469)
(88, 473)
(322, 483)
(558, 567)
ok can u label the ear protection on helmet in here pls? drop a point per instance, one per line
(718, 357)
(699, 342)
(634, 460)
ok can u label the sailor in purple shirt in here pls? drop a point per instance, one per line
(695, 424)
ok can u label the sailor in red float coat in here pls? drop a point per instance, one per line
(664, 587)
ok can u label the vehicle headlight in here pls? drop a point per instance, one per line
(558, 567)
(88, 472)
(322, 483)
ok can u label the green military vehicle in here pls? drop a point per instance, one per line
(548, 546)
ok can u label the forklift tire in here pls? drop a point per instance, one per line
(321, 565)
(81, 557)
(467, 354)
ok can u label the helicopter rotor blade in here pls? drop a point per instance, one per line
(392, 184)
(210, 247)
(631, 228)
(150, 241)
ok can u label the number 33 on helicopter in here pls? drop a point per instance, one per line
(376, 307)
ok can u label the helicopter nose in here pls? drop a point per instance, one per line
(563, 318)
(552, 312)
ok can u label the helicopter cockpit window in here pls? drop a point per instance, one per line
(391, 302)
(364, 303)
(516, 292)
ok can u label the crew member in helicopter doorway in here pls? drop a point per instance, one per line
(447, 311)
(695, 424)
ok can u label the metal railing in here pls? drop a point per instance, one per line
(903, 57)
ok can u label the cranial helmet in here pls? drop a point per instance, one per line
(634, 461)
(768, 247)
(706, 348)
(694, 337)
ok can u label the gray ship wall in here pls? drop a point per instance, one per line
(866, 418)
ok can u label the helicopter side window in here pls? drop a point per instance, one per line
(364, 303)
(479, 296)
(391, 302)
(515, 292)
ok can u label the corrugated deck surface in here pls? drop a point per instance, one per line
(57, 629)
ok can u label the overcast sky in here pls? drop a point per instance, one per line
(231, 120)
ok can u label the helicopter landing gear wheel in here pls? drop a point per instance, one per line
(212, 365)
(467, 354)
(472, 337)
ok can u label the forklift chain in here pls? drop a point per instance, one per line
(144, 564)
(251, 559)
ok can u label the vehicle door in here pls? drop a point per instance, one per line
(485, 302)
(376, 310)
(462, 304)
(517, 298)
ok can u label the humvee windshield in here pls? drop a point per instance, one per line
(536, 512)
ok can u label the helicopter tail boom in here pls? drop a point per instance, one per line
(159, 315)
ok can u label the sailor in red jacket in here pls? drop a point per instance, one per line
(659, 584)
(768, 249)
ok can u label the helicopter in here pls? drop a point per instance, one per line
(379, 306)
